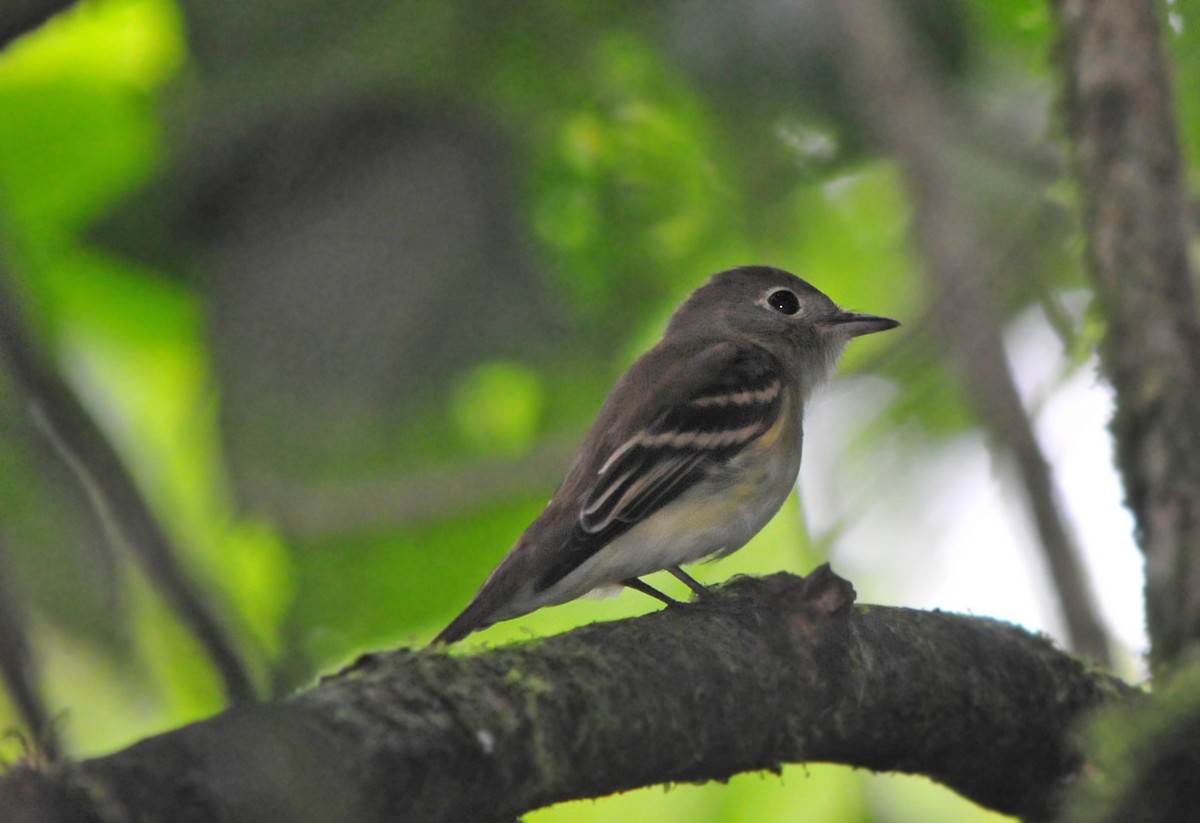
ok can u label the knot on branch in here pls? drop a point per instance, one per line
(805, 602)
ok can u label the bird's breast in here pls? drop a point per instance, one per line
(760, 477)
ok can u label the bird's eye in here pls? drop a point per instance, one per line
(783, 301)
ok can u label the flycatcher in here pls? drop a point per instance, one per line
(694, 450)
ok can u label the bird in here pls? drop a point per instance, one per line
(694, 450)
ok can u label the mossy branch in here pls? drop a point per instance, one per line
(767, 671)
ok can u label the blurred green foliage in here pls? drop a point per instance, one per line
(636, 177)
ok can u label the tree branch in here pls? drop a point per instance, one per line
(328, 509)
(23, 16)
(18, 667)
(1143, 757)
(120, 503)
(768, 671)
(1118, 110)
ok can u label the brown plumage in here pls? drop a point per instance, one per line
(694, 450)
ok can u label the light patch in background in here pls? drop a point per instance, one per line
(937, 523)
(497, 407)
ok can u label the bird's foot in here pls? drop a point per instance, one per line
(645, 588)
(701, 591)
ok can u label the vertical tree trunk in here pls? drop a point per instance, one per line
(1118, 110)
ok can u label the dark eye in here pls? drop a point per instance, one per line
(783, 301)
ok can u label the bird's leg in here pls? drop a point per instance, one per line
(646, 588)
(701, 591)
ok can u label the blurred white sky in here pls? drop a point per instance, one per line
(934, 524)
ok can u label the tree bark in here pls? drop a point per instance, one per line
(1118, 112)
(768, 671)
(1143, 758)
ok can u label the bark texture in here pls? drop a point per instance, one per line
(769, 671)
(1143, 758)
(1119, 114)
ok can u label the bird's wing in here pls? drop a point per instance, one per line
(726, 397)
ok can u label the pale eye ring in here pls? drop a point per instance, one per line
(783, 301)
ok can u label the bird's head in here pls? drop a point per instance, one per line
(774, 309)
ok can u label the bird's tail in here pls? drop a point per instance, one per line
(472, 618)
(497, 600)
(479, 613)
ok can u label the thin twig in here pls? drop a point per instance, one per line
(19, 669)
(19, 17)
(901, 101)
(73, 432)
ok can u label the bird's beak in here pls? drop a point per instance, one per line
(854, 324)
